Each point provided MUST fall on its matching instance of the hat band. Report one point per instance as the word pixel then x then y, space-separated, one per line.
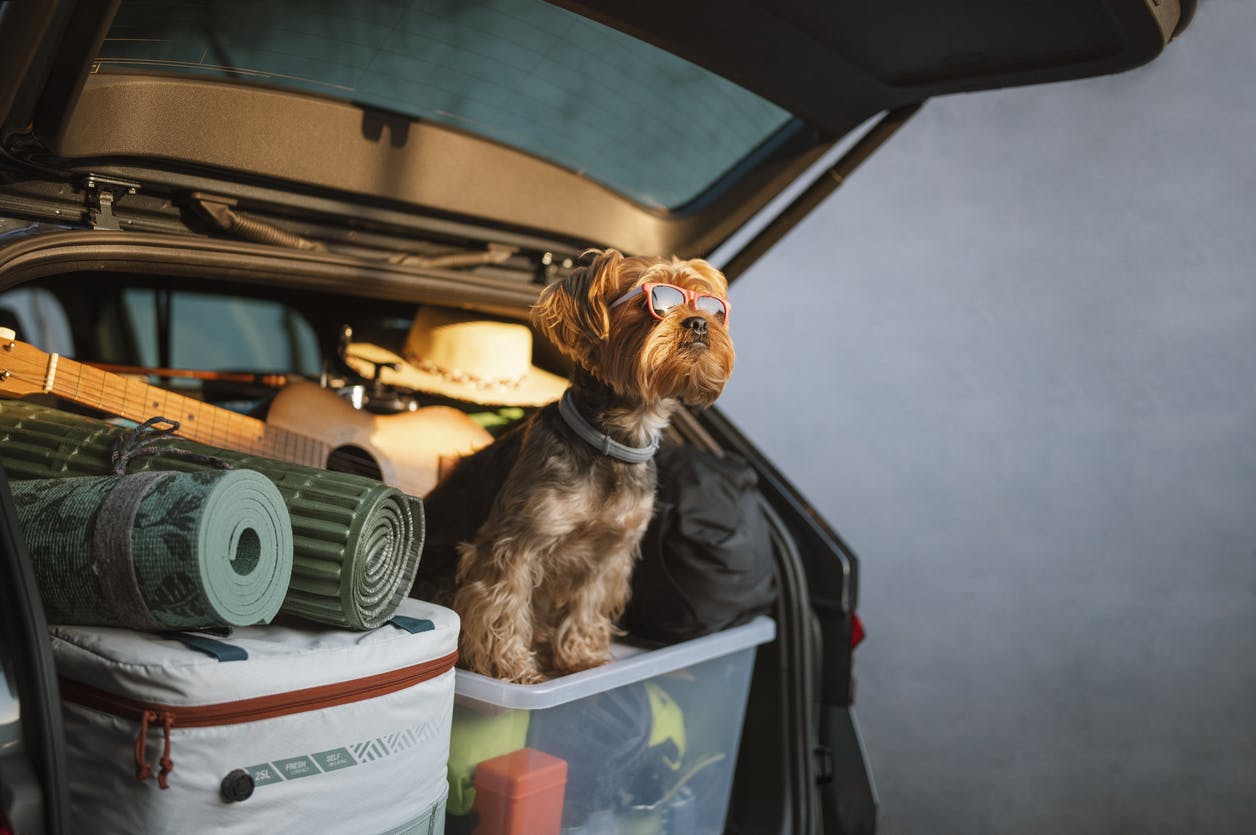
pixel 467 378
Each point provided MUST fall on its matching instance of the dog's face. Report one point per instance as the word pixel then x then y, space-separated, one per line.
pixel 642 350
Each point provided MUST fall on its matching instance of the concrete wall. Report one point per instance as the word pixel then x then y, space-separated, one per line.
pixel 1013 360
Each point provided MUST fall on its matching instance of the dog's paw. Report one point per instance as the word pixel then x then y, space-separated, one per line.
pixel 527 673
pixel 532 677
pixel 518 666
pixel 579 663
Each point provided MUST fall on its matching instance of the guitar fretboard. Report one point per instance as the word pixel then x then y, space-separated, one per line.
pixel 198 421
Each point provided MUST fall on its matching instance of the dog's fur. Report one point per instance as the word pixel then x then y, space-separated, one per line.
pixel 545 527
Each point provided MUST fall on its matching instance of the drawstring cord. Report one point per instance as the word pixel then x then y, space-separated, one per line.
pixel 140 441
pixel 142 769
pixel 167 764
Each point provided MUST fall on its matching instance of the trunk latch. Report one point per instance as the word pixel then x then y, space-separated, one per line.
pixel 100 194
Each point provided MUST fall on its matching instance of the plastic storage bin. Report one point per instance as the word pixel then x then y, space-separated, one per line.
pixel 650 740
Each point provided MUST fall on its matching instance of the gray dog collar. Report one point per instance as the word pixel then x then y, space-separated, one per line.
pixel 600 441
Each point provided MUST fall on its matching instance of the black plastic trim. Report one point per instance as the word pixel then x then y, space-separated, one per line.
pixel 78 46
pixel 25 636
pixel 848 797
pixel 53 253
pixel 29 35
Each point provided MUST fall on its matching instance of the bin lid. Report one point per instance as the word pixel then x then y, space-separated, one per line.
pixel 630 664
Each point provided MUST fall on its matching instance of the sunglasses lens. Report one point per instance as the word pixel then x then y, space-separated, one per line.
pixel 712 305
pixel 663 298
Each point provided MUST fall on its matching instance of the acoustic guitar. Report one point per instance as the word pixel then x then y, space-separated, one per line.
pixel 306 424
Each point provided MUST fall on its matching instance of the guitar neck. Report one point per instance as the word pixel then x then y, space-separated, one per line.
pixel 198 421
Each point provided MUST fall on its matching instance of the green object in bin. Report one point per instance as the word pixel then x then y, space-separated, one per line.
pixel 356 542
pixel 478 737
pixel 158 550
pixel 667 726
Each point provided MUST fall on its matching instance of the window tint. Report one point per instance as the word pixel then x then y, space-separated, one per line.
pixel 38 318
pixel 522 72
pixel 219 333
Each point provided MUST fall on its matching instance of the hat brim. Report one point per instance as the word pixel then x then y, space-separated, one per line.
pixel 537 388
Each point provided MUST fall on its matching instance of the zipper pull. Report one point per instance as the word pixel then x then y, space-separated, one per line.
pixel 167 765
pixel 142 769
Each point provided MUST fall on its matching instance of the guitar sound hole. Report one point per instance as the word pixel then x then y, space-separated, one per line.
pixel 355 460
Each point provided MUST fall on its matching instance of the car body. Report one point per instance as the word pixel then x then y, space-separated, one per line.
pixel 234 211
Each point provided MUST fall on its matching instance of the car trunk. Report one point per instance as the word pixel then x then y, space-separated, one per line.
pixel 801 689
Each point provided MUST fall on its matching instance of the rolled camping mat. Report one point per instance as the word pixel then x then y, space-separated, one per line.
pixel 356 541
pixel 158 550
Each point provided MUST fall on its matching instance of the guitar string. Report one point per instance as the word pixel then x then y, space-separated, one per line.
pixel 156 401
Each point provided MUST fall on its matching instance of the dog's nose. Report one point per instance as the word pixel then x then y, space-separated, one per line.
pixel 696 324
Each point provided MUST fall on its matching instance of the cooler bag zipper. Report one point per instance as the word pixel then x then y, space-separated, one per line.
pixel 243 710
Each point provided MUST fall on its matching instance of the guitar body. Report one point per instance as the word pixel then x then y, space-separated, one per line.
pixel 404 450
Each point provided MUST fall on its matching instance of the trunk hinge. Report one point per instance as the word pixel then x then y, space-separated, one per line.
pixel 100 194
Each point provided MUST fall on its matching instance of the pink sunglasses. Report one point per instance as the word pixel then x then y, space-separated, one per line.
pixel 662 298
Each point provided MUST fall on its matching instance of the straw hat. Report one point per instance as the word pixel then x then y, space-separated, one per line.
pixel 460 355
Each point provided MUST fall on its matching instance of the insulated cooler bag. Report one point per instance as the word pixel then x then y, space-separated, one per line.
pixel 272 729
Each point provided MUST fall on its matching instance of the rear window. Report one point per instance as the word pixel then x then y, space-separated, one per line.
pixel 640 120
pixel 221 333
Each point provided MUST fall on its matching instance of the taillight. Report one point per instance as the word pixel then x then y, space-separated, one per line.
pixel 6 826
pixel 856 631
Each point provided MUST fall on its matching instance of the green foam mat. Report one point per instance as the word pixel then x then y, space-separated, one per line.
pixel 158 550
pixel 356 542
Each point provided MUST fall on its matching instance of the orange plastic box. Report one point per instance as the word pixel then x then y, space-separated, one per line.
pixel 520 793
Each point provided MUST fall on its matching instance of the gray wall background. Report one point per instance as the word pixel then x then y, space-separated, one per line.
pixel 1013 361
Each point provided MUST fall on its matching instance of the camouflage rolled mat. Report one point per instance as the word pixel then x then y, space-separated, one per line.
pixel 356 542
pixel 158 550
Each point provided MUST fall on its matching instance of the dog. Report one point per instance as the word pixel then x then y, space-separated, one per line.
pixel 532 539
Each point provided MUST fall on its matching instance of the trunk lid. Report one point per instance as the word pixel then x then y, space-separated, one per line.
pixel 507 115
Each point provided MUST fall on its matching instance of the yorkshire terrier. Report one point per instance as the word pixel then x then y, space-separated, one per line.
pixel 533 538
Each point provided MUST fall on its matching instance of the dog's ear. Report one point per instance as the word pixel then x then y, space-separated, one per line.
pixel 573 312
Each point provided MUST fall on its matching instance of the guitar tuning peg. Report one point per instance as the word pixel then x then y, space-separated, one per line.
pixel 8 336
